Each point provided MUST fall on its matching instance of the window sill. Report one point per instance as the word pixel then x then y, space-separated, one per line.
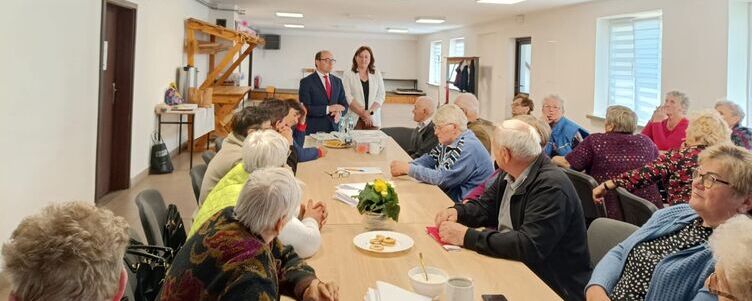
pixel 640 125
pixel 432 84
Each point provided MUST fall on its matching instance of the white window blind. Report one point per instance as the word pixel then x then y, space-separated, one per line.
pixel 434 64
pixel 457 47
pixel 634 65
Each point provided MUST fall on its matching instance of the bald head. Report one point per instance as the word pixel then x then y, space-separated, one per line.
pixel 469 104
pixel 424 108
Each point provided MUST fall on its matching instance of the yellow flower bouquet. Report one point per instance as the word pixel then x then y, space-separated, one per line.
pixel 379 197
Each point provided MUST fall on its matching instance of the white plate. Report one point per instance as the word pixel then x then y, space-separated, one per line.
pixel 403 242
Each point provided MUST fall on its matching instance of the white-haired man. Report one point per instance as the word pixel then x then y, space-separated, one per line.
pixel 423 139
pixel 481 128
pixel 457 164
pixel 531 213
pixel 565 134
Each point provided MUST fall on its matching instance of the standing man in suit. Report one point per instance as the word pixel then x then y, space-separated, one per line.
pixel 323 96
pixel 423 139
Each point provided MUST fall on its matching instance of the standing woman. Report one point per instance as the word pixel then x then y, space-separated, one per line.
pixel 668 126
pixel 364 90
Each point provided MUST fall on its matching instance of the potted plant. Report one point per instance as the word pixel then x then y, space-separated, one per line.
pixel 378 202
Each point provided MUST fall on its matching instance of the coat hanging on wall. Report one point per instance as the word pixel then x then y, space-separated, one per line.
pixel 471 78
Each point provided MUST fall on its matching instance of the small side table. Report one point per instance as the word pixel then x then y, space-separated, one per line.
pixel 189 121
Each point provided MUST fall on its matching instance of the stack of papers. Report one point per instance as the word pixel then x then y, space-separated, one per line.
pixel 389 292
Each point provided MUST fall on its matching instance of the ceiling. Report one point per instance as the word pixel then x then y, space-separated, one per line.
pixel 374 16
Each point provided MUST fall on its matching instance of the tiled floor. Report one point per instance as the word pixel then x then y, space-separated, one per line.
pixel 176 187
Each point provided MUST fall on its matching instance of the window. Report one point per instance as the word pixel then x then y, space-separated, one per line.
pixel 456 48
pixel 434 63
pixel 631 64
pixel 522 67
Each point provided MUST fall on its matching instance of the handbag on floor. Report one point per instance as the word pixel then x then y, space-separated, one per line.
pixel 160 156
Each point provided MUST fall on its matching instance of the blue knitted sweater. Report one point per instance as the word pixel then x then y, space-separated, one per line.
pixel 680 276
pixel 456 168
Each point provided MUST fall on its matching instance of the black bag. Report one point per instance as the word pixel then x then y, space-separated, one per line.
pixel 174 230
pixel 147 267
pixel 160 156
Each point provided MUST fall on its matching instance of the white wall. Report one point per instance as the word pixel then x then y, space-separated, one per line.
pixel 738 52
pixel 49 98
pixel 395 55
pixel 48 115
pixel 563 59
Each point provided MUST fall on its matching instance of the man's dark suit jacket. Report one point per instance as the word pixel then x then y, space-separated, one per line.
pixel 422 141
pixel 313 95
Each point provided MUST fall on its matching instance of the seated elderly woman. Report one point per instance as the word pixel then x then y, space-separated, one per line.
pixel 604 156
pixel 260 150
pixel 669 258
pixel 522 105
pixel 457 164
pixel 676 166
pixel 69 251
pixel 565 134
pixel 237 255
pixel 544 131
pixel 731 243
pixel 668 126
pixel 733 114
pixel 244 122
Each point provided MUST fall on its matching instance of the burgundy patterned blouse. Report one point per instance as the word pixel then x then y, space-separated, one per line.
pixel 674 167
pixel 742 136
pixel 604 156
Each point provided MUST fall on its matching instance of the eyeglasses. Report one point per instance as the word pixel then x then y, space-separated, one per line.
pixel 329 60
pixel 713 288
pixel 708 179
pixel 553 108
pixel 338 173
pixel 437 126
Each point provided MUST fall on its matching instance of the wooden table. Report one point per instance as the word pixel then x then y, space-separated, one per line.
pixel 355 270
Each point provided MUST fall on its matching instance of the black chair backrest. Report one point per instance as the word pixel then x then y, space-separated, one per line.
pixel 153 213
pixel 636 210
pixel 605 233
pixel 584 185
pixel 197 177
pixel 401 135
pixel 218 143
pixel 207 156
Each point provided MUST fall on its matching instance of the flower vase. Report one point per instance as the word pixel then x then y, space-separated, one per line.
pixel 377 221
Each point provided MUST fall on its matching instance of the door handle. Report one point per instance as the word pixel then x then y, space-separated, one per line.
pixel 114 90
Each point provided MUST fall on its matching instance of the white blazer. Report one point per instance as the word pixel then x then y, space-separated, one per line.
pixel 354 92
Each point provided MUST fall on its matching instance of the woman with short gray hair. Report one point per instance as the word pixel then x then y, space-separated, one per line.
pixel 619 149
pixel 733 114
pixel 668 126
pixel 731 243
pixel 457 164
pixel 237 254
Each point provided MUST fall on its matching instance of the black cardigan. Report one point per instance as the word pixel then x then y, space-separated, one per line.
pixel 549 233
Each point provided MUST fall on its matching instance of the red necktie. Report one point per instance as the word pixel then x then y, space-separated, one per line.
pixel 328 87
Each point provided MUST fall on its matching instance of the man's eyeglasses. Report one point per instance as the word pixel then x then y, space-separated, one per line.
pixel 708 179
pixel 338 173
pixel 713 288
pixel 328 60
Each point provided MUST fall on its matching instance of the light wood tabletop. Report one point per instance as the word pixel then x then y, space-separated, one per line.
pixel 356 270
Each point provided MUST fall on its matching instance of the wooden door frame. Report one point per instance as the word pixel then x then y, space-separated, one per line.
pixel 125 90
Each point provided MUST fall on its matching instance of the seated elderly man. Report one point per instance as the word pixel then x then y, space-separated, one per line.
pixel 481 128
pixel 457 164
pixel 531 213
pixel 69 251
pixel 565 134
pixel 243 123
pixel 423 139
pixel 236 254
pixel 264 149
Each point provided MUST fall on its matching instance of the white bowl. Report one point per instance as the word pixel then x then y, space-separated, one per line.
pixel 433 287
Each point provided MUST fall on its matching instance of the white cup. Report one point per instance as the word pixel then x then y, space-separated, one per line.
pixel 375 148
pixel 459 289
